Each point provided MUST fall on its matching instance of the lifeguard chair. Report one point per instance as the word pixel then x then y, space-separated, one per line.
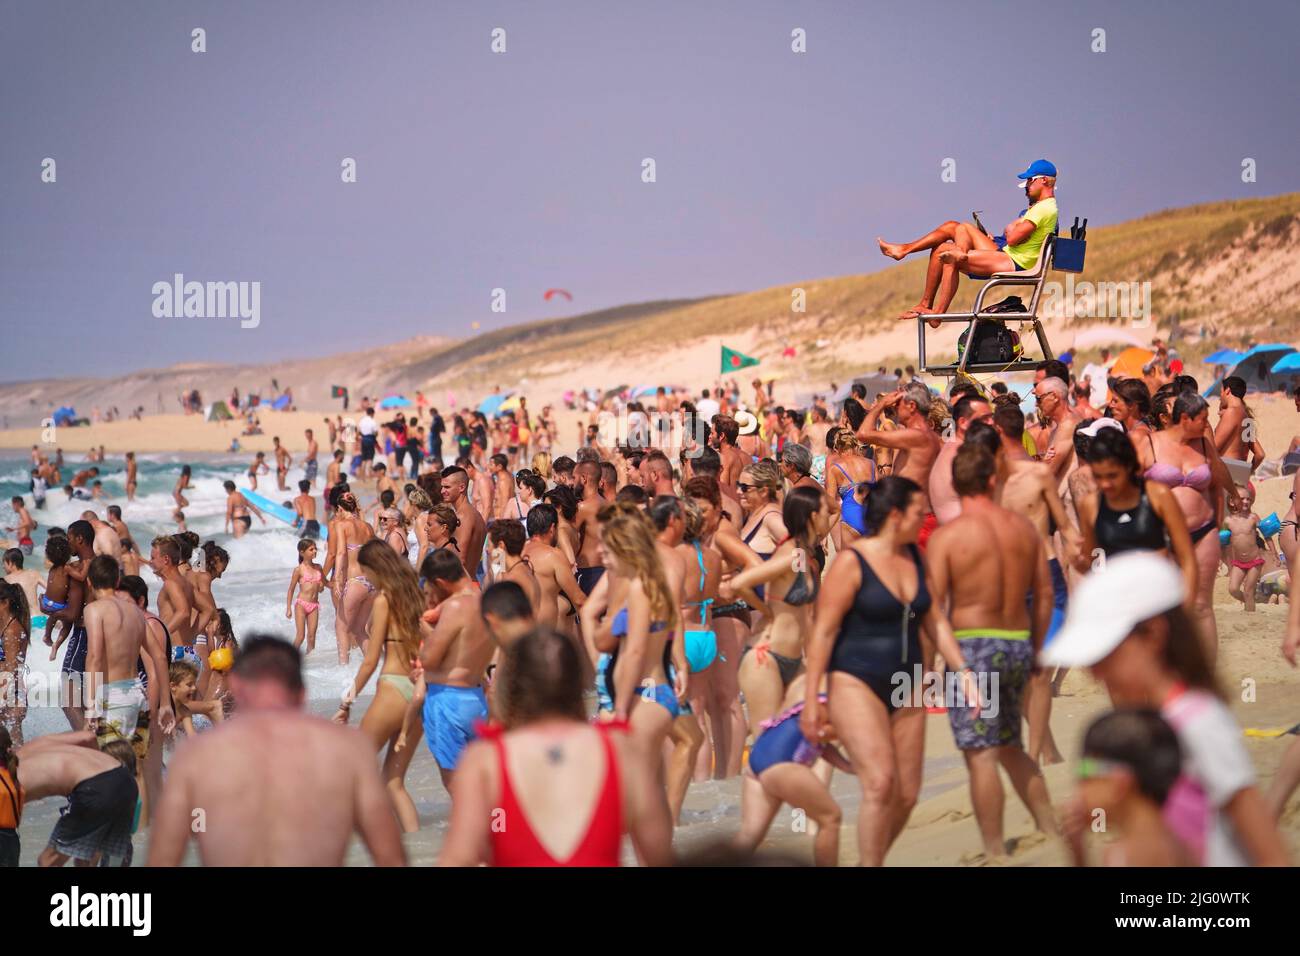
pixel 1057 254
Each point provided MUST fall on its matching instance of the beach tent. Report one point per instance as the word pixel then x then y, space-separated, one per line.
pixel 1256 367
pixel 1128 364
pixel 66 415
pixel 217 412
pixel 492 404
pixel 281 403
pixel 1224 357
pixel 395 401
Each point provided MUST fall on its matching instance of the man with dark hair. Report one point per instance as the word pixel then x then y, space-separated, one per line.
pixel 472 530
pixel 81 539
pixel 633 493
pixel 983 563
pixel 562 470
pixel 118 525
pixel 553 571
pixel 248 776
pixel 1235 436
pixel 1030 489
pixel 507 612
pixel 455 659
pixel 1053 368
pixel 967 409
pixel 26 579
pixel 733 459
pixel 116 655
pixel 160 718
pixel 503 484
pixel 590 501
pixel 304 506
pixel 507 539
pixel 658 471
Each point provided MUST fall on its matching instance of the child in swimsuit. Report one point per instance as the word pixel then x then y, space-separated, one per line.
pixel 1245 554
pixel 780 771
pixel 55 598
pixel 184 679
pixel 220 634
pixel 305 611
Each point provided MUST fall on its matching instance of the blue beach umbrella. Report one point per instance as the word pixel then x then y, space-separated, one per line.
pixel 492 404
pixel 395 401
pixel 1224 357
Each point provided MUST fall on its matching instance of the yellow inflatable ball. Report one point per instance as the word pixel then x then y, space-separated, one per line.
pixel 222 659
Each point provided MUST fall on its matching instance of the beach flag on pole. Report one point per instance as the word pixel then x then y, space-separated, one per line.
pixel 733 361
pixel 338 391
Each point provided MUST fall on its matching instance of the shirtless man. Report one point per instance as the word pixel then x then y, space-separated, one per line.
pixel 26 524
pixel 259 462
pixel 161 716
pixel 984 562
pixel 237 508
pixel 482 488
pixel 123 532
pixel 205 605
pixel 590 569
pixel 250 773
pixel 115 654
pixel 734 461
pixel 503 484
pixel 553 571
pixel 130 476
pixel 333 475
pixel 304 507
pixel 508 562
pixel 915 444
pixel 81 537
pixel 80 478
pixel 176 602
pixel 455 659
pixel 1234 435
pixel 29 580
pixel 309 463
pixel 1029 489
pixel 107 540
pixel 943 497
pixel 659 475
pixel 282 463
pixel 101 792
pixel 472 530
pixel 1058 444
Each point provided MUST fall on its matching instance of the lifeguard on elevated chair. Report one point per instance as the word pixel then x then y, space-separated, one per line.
pixel 1020 257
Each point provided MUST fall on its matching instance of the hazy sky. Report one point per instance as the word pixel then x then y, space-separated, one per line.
pixel 522 170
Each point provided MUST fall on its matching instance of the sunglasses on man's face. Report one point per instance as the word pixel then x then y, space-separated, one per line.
pixel 744 487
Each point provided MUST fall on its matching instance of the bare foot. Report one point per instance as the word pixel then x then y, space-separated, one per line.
pixel 891 249
pixel 952 257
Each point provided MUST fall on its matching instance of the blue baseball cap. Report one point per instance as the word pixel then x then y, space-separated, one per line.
pixel 1039 167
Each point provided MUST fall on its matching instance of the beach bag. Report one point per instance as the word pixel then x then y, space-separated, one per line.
pixel 992 343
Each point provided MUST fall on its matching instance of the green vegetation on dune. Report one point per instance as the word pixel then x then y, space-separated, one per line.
pixel 1171 249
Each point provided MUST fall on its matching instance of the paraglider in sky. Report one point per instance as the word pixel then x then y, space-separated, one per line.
pixel 551 293
pixel 474 326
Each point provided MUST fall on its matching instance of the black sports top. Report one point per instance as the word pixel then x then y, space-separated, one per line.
pixel 1136 529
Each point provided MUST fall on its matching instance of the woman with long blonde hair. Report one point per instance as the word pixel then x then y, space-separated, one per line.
pixel 395 632
pixel 636 637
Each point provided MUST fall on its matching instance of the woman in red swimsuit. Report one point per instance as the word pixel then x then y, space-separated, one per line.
pixel 547 788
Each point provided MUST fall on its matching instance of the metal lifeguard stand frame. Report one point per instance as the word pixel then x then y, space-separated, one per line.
pixel 1062 255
